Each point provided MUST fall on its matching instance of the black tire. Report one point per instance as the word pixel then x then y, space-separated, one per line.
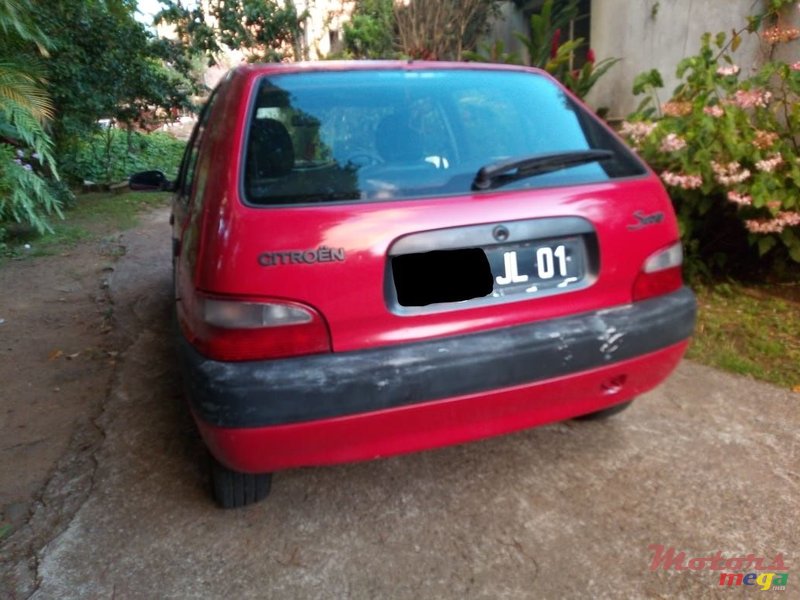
pixel 605 413
pixel 233 489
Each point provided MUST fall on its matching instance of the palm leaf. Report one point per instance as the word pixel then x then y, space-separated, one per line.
pixel 24 88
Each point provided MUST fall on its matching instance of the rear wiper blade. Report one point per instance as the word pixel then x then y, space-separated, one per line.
pixel 500 173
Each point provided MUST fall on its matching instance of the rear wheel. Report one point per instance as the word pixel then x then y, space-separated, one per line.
pixel 233 489
pixel 605 413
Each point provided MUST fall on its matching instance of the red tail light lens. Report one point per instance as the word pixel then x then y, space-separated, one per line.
pixel 238 330
pixel 660 274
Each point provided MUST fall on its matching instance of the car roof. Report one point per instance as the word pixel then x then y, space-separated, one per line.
pixel 255 70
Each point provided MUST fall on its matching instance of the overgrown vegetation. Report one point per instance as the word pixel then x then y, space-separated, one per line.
pixel 111 155
pixel 64 66
pixel 726 145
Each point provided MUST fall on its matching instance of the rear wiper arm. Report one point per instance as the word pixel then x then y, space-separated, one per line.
pixel 500 173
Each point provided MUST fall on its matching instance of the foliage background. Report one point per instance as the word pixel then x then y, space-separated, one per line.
pixel 726 145
pixel 112 155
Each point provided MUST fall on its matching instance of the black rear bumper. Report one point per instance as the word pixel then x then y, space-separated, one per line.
pixel 293 390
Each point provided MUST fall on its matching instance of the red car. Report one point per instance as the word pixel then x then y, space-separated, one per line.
pixel 374 258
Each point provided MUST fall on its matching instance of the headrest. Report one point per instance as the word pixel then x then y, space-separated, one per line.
pixel 270 152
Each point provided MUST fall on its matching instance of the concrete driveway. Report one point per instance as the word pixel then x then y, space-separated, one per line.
pixel 709 462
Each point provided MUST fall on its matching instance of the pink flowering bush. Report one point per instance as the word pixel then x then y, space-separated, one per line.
pixel 727 146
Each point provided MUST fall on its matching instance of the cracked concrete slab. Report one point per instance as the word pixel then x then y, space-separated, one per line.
pixel 708 462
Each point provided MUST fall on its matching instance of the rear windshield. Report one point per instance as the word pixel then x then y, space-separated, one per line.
pixel 383 135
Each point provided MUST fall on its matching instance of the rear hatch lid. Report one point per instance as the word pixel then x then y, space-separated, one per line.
pixel 405 202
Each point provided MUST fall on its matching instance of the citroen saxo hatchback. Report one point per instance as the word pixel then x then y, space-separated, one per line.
pixel 378 258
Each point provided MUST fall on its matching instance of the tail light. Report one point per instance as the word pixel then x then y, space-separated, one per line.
pixel 660 274
pixel 238 330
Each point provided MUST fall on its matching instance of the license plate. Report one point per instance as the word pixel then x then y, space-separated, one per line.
pixel 536 267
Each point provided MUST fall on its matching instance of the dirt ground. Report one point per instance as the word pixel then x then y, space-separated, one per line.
pixel 57 362
pixel 103 479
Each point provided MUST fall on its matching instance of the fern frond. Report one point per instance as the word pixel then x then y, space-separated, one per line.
pixel 28 131
pixel 27 198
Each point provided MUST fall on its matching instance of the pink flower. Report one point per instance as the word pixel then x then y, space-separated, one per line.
pixel 768 165
pixel 795 66
pixel 752 98
pixel 686 182
pixel 775 225
pixel 676 109
pixel 727 71
pixel 778 34
pixel 590 58
pixel 740 199
pixel 714 111
pixel 637 131
pixel 730 173
pixel 672 143
pixel 765 139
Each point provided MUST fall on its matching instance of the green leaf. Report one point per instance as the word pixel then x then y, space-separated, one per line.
pixel 736 42
pixel 765 244
pixel 646 80
pixel 794 252
pixel 754 23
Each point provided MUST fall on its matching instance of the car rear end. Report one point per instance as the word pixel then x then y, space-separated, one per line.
pixel 398 256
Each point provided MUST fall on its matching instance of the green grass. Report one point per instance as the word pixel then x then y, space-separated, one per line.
pixel 751 330
pixel 91 217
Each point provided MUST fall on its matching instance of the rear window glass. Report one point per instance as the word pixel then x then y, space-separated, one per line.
pixel 383 135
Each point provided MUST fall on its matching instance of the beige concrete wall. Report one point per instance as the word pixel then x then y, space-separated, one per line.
pixel 649 34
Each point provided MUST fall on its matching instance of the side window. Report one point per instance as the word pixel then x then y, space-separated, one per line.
pixel 189 164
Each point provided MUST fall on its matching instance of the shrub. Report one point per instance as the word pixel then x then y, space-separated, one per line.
pixel 726 145
pixel 111 155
